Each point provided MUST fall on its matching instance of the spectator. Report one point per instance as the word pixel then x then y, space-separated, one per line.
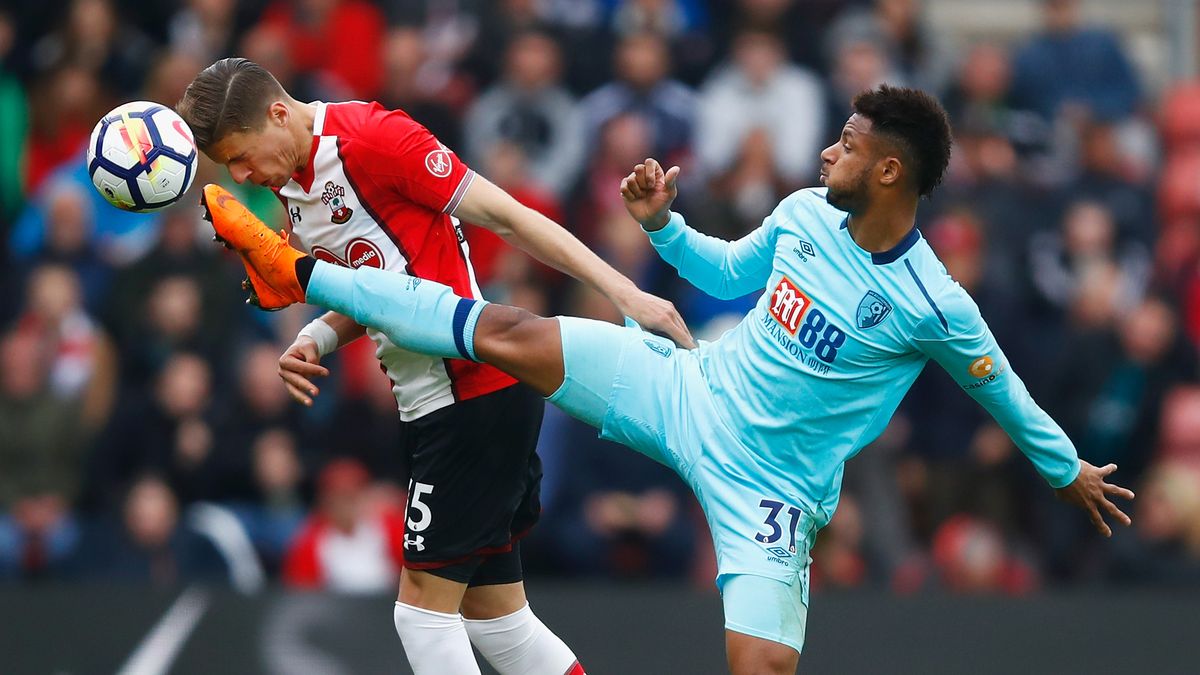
pixel 259 406
pixel 624 141
pixel 337 41
pixel 151 545
pixel 1112 384
pixel 1163 548
pixel 204 30
pixel 1070 67
pixel 39 463
pixel 69 242
pixel 352 543
pixel 922 55
pixel 180 294
pixel 617 514
pixel 273 514
pixel 1087 239
pixel 972 557
pixel 980 97
pixel 94 39
pixel 837 559
pixel 63 106
pixel 760 125
pixel 804 22
pixel 169 432
pixel 579 23
pixel 530 109
pixel 1110 175
pixel 683 23
pixel 409 85
pixel 82 365
pixel 857 65
pixel 169 77
pixel 672 19
pixel 268 46
pixel 497 264
pixel 119 237
pixel 644 87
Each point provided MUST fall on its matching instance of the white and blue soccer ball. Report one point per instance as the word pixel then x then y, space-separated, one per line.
pixel 142 156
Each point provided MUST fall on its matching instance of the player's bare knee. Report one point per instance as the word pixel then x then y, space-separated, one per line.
pixel 762 658
pixel 505 331
pixel 769 665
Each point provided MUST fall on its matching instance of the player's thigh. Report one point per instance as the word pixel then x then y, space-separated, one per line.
pixel 474 469
pixel 492 601
pixel 616 379
pixel 769 610
pixel 419 588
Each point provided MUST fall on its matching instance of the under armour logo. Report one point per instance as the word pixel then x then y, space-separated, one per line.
pixel 296 215
pixel 416 543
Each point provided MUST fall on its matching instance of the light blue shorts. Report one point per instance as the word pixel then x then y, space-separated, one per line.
pixel 644 392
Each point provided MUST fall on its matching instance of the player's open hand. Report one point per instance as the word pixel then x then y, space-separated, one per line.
pixel 648 193
pixel 298 365
pixel 1090 492
pixel 656 315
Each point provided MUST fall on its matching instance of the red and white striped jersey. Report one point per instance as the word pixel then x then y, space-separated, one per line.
pixel 378 190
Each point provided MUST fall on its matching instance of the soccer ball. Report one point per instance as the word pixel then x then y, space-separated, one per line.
pixel 142 156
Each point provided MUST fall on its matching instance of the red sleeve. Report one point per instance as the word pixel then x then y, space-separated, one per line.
pixel 301 568
pixel 398 154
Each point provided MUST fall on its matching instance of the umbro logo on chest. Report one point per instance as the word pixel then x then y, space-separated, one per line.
pixel 804 250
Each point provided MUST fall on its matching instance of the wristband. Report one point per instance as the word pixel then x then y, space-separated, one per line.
pixel 321 333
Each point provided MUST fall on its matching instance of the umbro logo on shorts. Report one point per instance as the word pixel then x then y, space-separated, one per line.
pixel 662 350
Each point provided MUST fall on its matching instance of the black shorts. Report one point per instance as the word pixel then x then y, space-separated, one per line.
pixel 474 487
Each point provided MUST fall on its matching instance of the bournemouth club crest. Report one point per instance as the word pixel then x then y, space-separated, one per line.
pixel 872 310
pixel 334 197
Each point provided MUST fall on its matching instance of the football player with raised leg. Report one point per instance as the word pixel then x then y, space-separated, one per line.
pixel 761 421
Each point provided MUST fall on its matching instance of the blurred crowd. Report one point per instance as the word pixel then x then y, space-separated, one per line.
pixel 145 436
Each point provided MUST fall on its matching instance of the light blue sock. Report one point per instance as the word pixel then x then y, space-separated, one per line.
pixel 417 314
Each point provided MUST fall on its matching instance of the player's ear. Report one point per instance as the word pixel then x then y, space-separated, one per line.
pixel 278 114
pixel 889 171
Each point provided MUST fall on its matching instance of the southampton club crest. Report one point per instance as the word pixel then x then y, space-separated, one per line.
pixel 872 310
pixel 334 197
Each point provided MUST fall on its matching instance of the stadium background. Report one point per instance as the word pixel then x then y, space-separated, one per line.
pixel 146 444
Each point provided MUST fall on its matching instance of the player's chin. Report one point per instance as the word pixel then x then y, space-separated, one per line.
pixel 835 198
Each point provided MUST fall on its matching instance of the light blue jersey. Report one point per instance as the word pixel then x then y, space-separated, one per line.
pixel 760 422
pixel 819 366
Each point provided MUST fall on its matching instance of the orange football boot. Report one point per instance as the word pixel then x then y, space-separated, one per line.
pixel 269 261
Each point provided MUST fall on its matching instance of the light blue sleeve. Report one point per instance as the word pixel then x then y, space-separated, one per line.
pixel 961 343
pixel 723 269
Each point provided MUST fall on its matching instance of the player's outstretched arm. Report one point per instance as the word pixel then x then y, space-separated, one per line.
pixel 961 342
pixel 1090 492
pixel 301 362
pixel 723 269
pixel 487 205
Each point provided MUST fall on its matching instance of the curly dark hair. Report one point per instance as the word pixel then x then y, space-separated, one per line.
pixel 917 124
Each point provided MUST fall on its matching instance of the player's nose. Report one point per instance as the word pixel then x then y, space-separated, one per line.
pixel 827 155
pixel 239 174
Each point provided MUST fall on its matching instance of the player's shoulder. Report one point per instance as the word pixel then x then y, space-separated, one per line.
pixel 947 304
pixel 366 121
pixel 807 207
